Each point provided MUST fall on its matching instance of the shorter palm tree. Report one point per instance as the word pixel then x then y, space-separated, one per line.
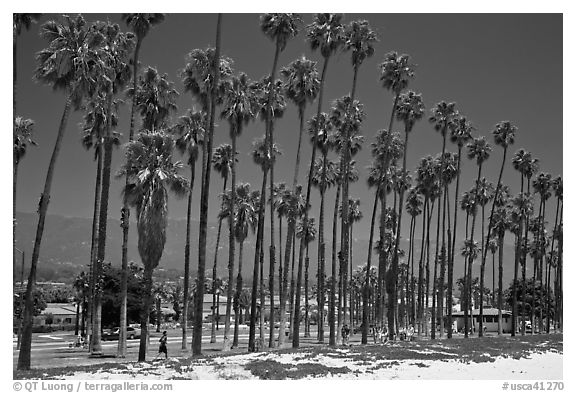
pixel 151 172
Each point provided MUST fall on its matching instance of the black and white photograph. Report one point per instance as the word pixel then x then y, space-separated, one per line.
pixel 287 196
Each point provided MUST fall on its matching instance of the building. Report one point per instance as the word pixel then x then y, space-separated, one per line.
pixel 59 316
pixel 490 320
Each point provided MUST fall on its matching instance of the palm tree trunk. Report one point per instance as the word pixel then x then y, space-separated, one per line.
pixel 306 320
pixel 272 255
pixel 549 268
pixel 214 273
pixel 321 254
pixel 427 292
pixel 350 280
pixel 435 280
pixel 258 260
pixel 482 271
pixel 204 200
pixel 451 262
pixel 26 346
pixel 524 257
pixel 500 277
pixel 96 346
pixel 187 256
pixel 125 222
pixel 145 313
pixel 292 288
pixel 516 267
pixel 94 244
pixel 420 312
pixel 411 284
pixel 237 309
pixel 366 291
pixel 231 252
pixel 332 313
pixel 470 259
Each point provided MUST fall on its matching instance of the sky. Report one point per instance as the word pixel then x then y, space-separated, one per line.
pixel 494 66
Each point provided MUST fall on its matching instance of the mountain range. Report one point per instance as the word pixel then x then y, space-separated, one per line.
pixel 65 249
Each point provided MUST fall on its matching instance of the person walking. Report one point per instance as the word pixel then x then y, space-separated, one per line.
pixel 163 349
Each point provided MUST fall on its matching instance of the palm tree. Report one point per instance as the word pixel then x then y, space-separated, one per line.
pixel 301 86
pixel 414 209
pixel 460 134
pixel 140 25
pixel 387 148
pixel 198 77
pixel 151 173
pixel 324 33
pixel 359 38
pixel 189 133
pixel 279 28
pixel 245 219
pixel 346 118
pixel 222 162
pixel 94 129
pixel 478 150
pixel 485 193
pixel 239 109
pixel 306 232
pixel 542 185
pixel 501 225
pixel 355 215
pixel 410 109
pixel 553 258
pixel 324 176
pixel 395 74
pixel 443 117
pixel 116 49
pixel 265 159
pixel 492 245
pixel 70 43
pixel 205 192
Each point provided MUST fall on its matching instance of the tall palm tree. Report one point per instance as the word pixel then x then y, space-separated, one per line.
pixel 324 33
pixel 151 174
pixel 485 193
pixel 359 38
pixel 189 132
pixel 306 232
pixel 443 116
pixel 492 245
pixel 410 108
pixel 198 77
pixel 395 74
pixel 542 186
pixel 355 215
pixel 264 159
pixel 414 209
pixel 478 150
pixel 279 28
pixel 140 24
pixel 387 148
pixel 324 176
pixel 69 43
pixel 222 162
pixel 239 109
pixel 460 134
pixel 346 118
pixel 116 50
pixel 93 131
pixel 205 192
pixel 553 257
pixel 373 181
pixel 501 225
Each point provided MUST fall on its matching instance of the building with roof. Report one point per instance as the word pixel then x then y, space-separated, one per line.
pixel 489 318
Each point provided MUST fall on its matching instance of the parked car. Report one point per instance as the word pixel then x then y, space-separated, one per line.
pixel 113 334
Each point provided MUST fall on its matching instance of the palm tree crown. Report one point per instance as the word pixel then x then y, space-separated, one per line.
pixel 410 108
pixel 189 131
pixel 504 133
pixel 444 115
pixel 479 150
pixel 142 23
pixel 280 27
pixel 360 39
pixel 222 160
pixel 325 32
pixel 396 71
pixel 23 130
pixel 301 81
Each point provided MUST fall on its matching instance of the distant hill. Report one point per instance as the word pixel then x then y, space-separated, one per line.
pixel 65 249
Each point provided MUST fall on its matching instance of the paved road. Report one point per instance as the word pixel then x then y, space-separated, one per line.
pixel 52 349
